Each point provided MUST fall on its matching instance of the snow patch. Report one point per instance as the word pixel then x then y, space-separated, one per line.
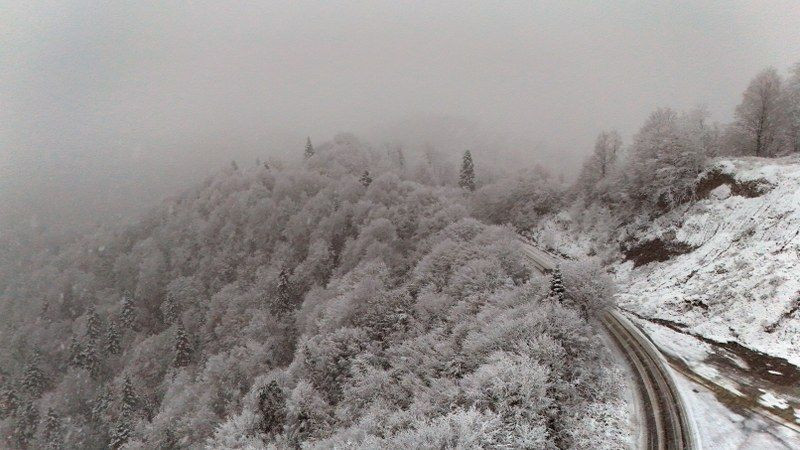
pixel 770 400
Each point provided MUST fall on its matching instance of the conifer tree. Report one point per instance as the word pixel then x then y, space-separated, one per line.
pixel 112 346
pixel 130 401
pixel 89 359
pixel 75 353
pixel 169 309
pixel 27 419
pixel 183 348
pixel 309 152
pixel 557 285
pixel 272 405
pixel 467 177
pixel 52 432
pixel 93 325
pixel 34 381
pixel 169 441
pixel 365 179
pixel 121 431
pixel 127 315
pixel 100 404
pixel 8 402
pixel 284 291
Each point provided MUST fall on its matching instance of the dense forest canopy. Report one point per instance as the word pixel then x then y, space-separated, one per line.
pixel 353 296
pixel 302 305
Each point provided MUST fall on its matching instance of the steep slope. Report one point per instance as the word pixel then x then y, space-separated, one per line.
pixel 731 259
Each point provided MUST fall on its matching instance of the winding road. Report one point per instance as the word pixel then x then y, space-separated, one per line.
pixel 666 422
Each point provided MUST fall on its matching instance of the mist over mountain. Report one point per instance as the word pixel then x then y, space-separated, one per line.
pixel 130 101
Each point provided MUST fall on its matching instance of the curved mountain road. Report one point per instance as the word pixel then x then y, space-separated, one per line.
pixel 667 424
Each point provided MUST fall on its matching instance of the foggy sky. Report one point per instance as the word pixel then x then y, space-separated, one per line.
pixel 103 105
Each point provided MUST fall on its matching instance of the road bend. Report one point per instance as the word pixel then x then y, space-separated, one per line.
pixel 666 423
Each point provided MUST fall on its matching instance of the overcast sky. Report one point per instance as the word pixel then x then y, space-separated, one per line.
pixel 93 93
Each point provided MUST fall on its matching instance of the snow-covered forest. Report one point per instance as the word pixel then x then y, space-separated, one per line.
pixel 380 288
pixel 338 302
pixel 357 297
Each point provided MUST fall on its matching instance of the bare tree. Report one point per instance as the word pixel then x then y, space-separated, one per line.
pixel 606 151
pixel 791 98
pixel 758 116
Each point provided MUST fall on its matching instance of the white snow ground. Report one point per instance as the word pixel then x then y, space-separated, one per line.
pixel 737 283
pixel 719 428
pixel 740 283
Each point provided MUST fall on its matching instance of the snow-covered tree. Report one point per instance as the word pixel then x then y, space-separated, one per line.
pixel 34 381
pixel 667 154
pixel 557 284
pixel 309 151
pixel 272 407
pixel 112 344
pixel 792 103
pixel 365 179
pixel 606 151
pixel 93 325
pixel 467 178
pixel 183 347
pixel 53 431
pixel 90 359
pixel 759 115
pixel 122 431
pixel 130 402
pixel 8 402
pixel 127 315
pixel 27 420
pixel 284 290
pixel 75 351
pixel 100 404
pixel 169 309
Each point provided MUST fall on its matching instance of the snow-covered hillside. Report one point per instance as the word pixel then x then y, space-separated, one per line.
pixel 738 280
pixel 725 266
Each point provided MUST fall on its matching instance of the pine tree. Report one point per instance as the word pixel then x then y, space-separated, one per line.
pixel 467 178
pixel 27 419
pixel 89 359
pixel 130 401
pixel 557 285
pixel 75 353
pixel 183 348
pixel 169 309
pixel 34 381
pixel 169 441
pixel 52 431
pixel 127 315
pixel 309 152
pixel 121 431
pixel 112 346
pixel 272 405
pixel 93 325
pixel 100 404
pixel 8 402
pixel 284 291
pixel 365 179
